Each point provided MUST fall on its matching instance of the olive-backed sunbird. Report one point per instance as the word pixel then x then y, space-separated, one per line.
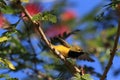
pixel 72 51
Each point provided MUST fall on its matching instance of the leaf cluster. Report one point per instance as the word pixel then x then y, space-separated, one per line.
pixel 46 16
pixel 96 37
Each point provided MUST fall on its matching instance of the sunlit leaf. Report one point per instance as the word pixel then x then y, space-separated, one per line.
pixel 86 77
pixel 45 17
pixel 37 17
pixel 26 1
pixel 3 39
pixel 8 63
pixel 52 18
pixel 81 77
pixel 1 60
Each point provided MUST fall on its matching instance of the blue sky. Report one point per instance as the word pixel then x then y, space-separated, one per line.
pixel 83 7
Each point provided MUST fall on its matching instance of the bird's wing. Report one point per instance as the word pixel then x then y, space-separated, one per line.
pixel 63 42
pixel 85 56
pixel 80 55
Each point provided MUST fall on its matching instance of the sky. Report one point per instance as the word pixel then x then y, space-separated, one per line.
pixel 83 7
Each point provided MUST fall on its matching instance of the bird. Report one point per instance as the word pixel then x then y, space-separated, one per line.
pixel 72 51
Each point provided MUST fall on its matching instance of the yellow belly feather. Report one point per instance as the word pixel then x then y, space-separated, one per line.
pixel 62 49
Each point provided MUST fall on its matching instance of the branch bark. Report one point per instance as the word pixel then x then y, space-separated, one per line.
pixel 73 68
pixel 113 51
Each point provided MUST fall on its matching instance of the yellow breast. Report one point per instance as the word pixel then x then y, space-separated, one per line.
pixel 62 49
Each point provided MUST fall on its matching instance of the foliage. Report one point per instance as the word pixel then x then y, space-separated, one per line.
pixel 47 16
pixel 83 77
pixel 21 43
pixel 7 77
pixel 3 39
pixel 8 63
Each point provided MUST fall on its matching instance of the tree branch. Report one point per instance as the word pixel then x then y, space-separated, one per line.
pixel 73 68
pixel 112 53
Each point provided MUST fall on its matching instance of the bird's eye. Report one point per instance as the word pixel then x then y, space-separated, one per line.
pixel 79 49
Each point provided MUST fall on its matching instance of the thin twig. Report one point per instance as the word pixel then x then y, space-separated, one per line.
pixel 112 53
pixel 74 69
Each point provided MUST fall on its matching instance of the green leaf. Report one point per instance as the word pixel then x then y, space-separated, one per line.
pixel 110 31
pixel 37 17
pixel 4 75
pixel 45 17
pixel 50 17
pixel 86 77
pixel 12 79
pixel 7 77
pixel 8 63
pixel 9 10
pixel 25 1
pixel 81 77
pixel 3 39
pixel 2 4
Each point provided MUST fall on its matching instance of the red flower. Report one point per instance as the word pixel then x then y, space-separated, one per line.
pixel 3 21
pixel 33 8
pixel 68 15
pixel 56 30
